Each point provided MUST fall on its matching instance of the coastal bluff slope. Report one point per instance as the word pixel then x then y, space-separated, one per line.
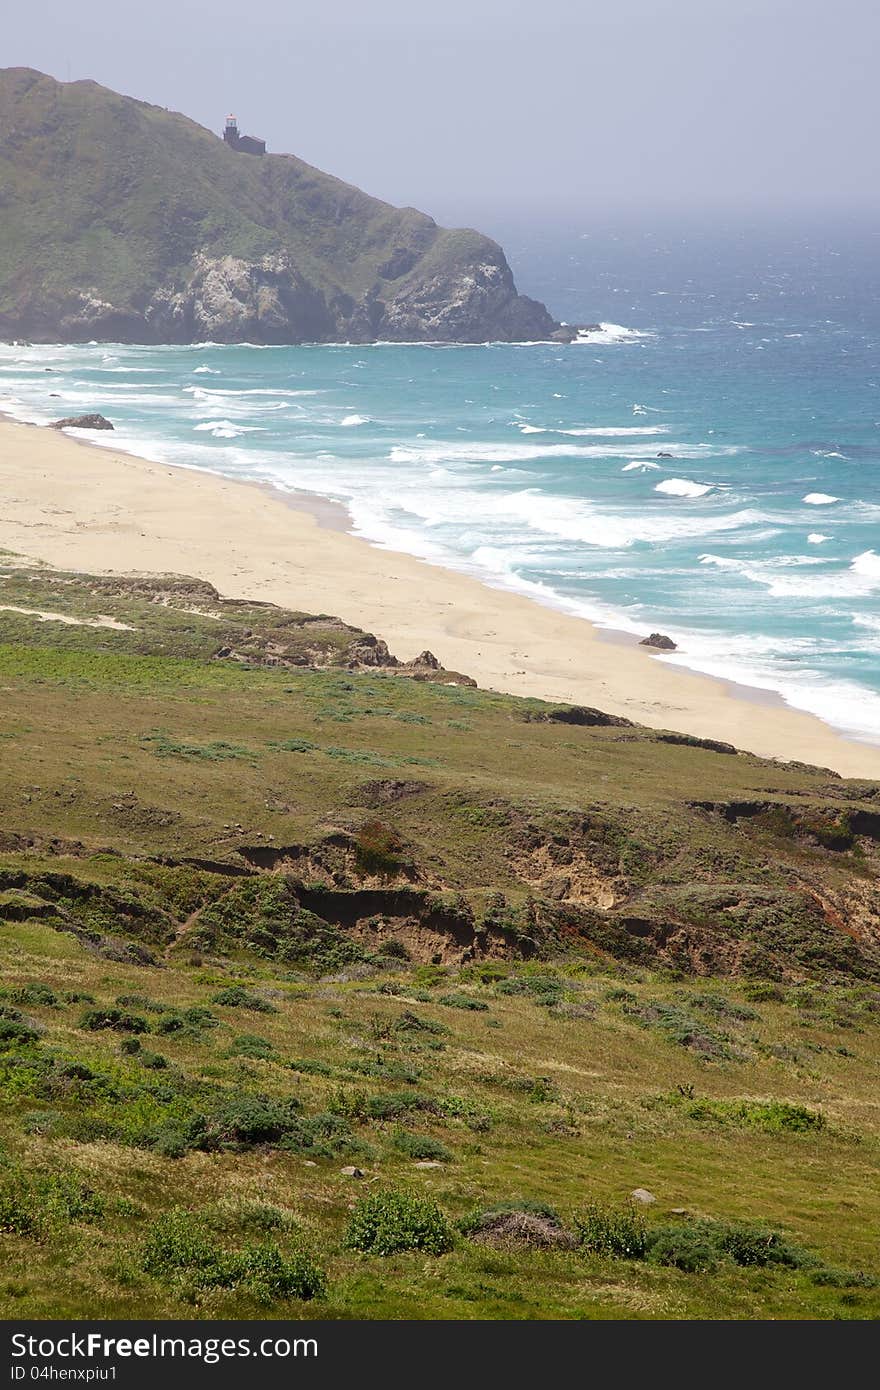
pixel 126 222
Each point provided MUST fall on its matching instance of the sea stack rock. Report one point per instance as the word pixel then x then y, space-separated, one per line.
pixel 82 422
pixel 660 641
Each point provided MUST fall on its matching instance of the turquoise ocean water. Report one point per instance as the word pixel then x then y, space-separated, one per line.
pixel 751 360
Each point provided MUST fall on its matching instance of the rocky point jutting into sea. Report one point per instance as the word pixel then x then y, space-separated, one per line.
pixel 130 223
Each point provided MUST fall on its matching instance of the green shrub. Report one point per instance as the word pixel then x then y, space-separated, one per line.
pixel 139 1001
pixel 771 1116
pixel 378 849
pixel 831 1278
pixel 15 1034
pixel 322 1136
pixel 545 989
pixel 679 1027
pixel 251 1045
pixel 237 997
pixel 394 949
pixel 178 1244
pixel 34 1204
pixel 697 1246
pixel 34 993
pixel 312 1066
pixel 684 1247
pixel 268 1275
pixel 188 1023
pixel 748 1244
pixel 390 1104
pixel 263 914
pixel 420 1146
pixel 463 1001
pixel 247 1120
pixel 395 1220
pixel 409 1022
pixel 763 991
pixel 119 1020
pixel 153 1060
pixel 722 1008
pixel 19 1214
pixel 616 1231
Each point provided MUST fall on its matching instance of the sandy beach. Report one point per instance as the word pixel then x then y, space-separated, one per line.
pixel 83 507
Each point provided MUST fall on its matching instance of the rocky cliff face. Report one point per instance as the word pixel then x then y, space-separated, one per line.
pixel 127 222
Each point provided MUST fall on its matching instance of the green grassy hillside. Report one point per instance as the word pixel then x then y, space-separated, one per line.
pixel 264 921
pixel 118 218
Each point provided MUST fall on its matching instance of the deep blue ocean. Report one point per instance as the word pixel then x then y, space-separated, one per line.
pixel 708 464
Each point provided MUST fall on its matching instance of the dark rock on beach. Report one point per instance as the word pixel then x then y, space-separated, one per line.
pixel 82 422
pixel 660 641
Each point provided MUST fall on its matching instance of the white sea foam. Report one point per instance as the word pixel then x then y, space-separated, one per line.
pixel 642 467
pixel 820 499
pixel 206 371
pixel 609 334
pixel 842 703
pixel 596 431
pixel 247 391
pixel 682 487
pixel 227 429
pixel 780 576
pixel 447 451
pixel 350 420
pixel 816 538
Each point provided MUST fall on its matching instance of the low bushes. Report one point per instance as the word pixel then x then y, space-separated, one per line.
pixel 771 1116
pixel 420 1146
pixel 251 1045
pixel 701 1246
pixel 237 997
pixel 118 1020
pixel 16 1033
pixel 617 1231
pixel 186 1023
pixel 33 1205
pixel 378 849
pixel 463 1001
pixel 695 1247
pixel 34 993
pixel 179 1249
pixel 390 1104
pixel 395 1220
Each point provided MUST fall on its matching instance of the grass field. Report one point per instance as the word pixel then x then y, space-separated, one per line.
pixel 261 923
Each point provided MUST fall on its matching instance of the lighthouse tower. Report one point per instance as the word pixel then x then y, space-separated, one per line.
pixel 245 144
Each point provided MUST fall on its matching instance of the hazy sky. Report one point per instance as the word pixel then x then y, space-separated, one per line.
pixel 540 107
